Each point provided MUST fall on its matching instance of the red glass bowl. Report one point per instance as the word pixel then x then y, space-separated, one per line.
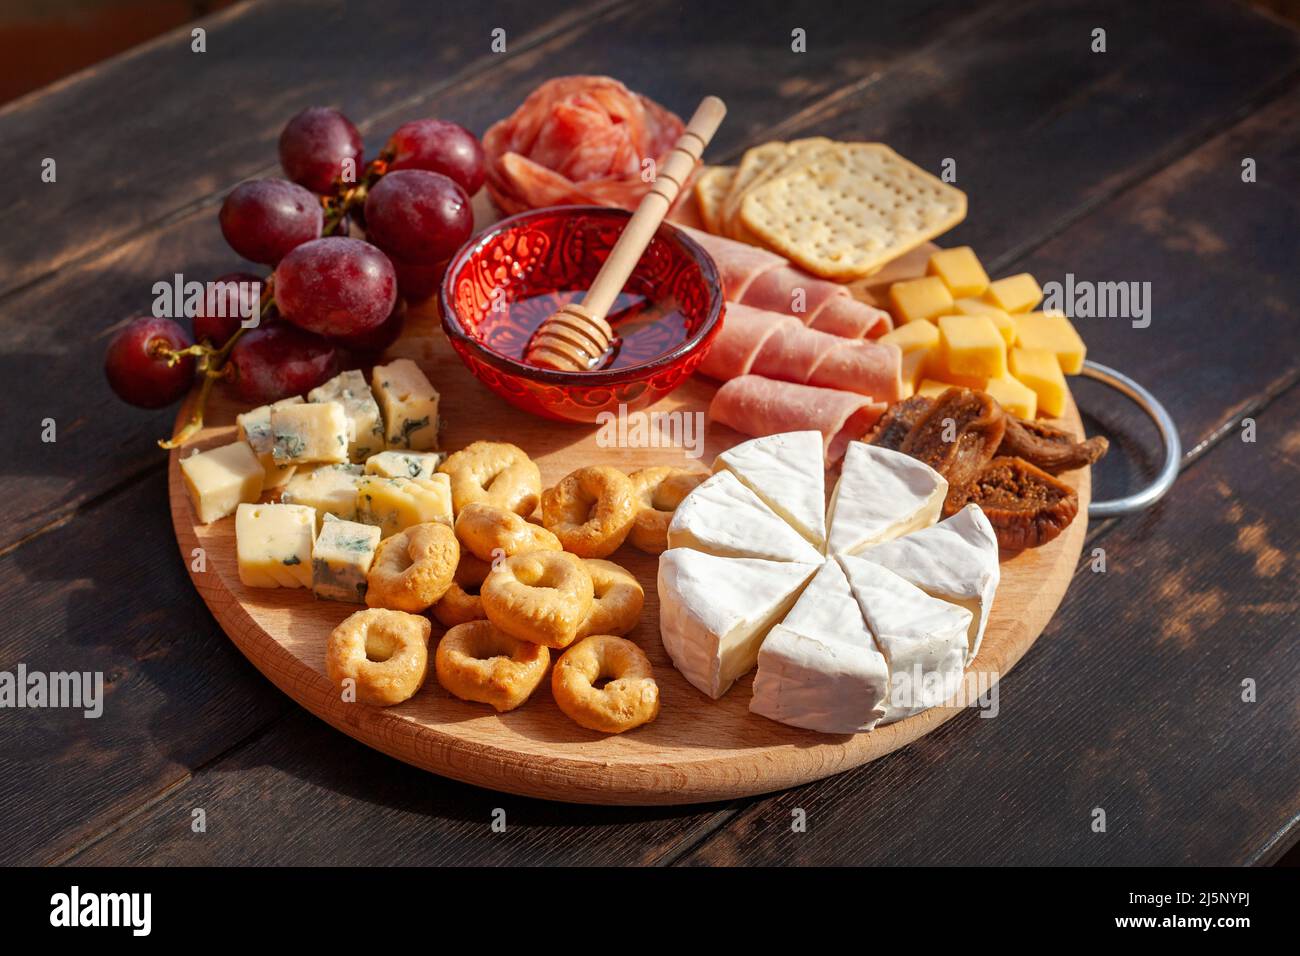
pixel 563 247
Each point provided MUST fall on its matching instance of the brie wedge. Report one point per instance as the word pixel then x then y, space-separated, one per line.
pixel 881 495
pixel 715 611
pixel 724 518
pixel 956 559
pixel 787 472
pixel 820 668
pixel 923 638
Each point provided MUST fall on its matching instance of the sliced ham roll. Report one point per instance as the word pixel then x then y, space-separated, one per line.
pixel 764 280
pixel 781 347
pixel 755 405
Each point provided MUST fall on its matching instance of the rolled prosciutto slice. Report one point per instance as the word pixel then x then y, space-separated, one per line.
pixel 755 405
pixel 764 280
pixel 782 347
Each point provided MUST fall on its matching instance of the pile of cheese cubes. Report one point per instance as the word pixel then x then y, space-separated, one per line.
pixel 351 467
pixel 955 327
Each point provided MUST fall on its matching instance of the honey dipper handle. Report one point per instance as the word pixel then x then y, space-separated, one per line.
pixel 668 181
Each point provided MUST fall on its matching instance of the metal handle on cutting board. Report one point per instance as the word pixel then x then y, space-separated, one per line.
pixel 1145 497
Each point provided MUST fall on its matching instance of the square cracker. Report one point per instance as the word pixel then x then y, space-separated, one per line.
pixel 849 209
pixel 755 160
pixel 710 190
pixel 766 165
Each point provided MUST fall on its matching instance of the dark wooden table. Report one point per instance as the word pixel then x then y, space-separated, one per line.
pixel 1117 166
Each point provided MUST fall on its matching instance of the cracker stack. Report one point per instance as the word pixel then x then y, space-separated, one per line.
pixel 838 210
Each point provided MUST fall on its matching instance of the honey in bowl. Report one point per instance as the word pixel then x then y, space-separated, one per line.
pixel 508 280
pixel 643 328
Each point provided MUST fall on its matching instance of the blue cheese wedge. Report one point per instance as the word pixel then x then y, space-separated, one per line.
pixel 395 504
pixel 404 464
pixel 923 638
pixel 273 544
pixel 820 668
pixel 341 560
pixel 255 428
pixel 315 432
pixel 409 404
pixel 219 479
pixel 330 489
pixel 350 390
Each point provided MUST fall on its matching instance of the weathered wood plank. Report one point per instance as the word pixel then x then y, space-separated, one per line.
pixel 304 794
pixel 107 592
pixel 73 314
pixel 163 128
pixel 1130 702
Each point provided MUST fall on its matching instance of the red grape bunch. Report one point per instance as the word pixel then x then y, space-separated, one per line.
pixel 330 294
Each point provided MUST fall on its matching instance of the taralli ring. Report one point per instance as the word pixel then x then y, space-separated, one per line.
pixel 385 654
pixel 414 568
pixel 541 597
pixel 477 661
pixel 493 473
pixel 591 510
pixel 616 602
pixel 490 532
pixel 629 699
pixel 658 492
pixel 462 603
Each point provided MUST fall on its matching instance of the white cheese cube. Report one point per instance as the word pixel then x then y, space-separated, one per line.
pixel 329 489
pixel 404 464
pixel 341 560
pixel 315 432
pixel 219 479
pixel 255 428
pixel 395 504
pixel 409 404
pixel 273 545
pixel 350 390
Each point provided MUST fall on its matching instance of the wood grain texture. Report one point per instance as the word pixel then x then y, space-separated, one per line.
pixel 697 750
pixel 1130 702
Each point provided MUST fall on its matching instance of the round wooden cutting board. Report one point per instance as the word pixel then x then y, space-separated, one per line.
pixel 697 750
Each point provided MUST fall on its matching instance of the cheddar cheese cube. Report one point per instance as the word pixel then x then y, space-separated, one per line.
pixel 1052 331
pixel 273 545
pixel 312 432
pixel 925 298
pixel 220 479
pixel 404 464
pixel 914 337
pixel 328 489
pixel 409 404
pixel 254 427
pixel 1014 396
pixel 365 426
pixel 1039 369
pixel 1018 293
pixel 972 346
pixel 968 306
pixel 932 388
pixel 395 504
pixel 341 559
pixel 914 366
pixel 960 271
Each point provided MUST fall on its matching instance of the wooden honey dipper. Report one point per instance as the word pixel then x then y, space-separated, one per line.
pixel 577 335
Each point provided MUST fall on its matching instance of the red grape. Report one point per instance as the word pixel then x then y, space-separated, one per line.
pixel 418 216
pixel 439 147
pixel 374 341
pixel 416 281
pixel 335 286
pixel 137 373
pixel 314 146
pixel 275 361
pixel 263 219
pixel 225 306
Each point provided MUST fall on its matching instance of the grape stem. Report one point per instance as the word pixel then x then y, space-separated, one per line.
pixel 212 367
pixel 347 197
